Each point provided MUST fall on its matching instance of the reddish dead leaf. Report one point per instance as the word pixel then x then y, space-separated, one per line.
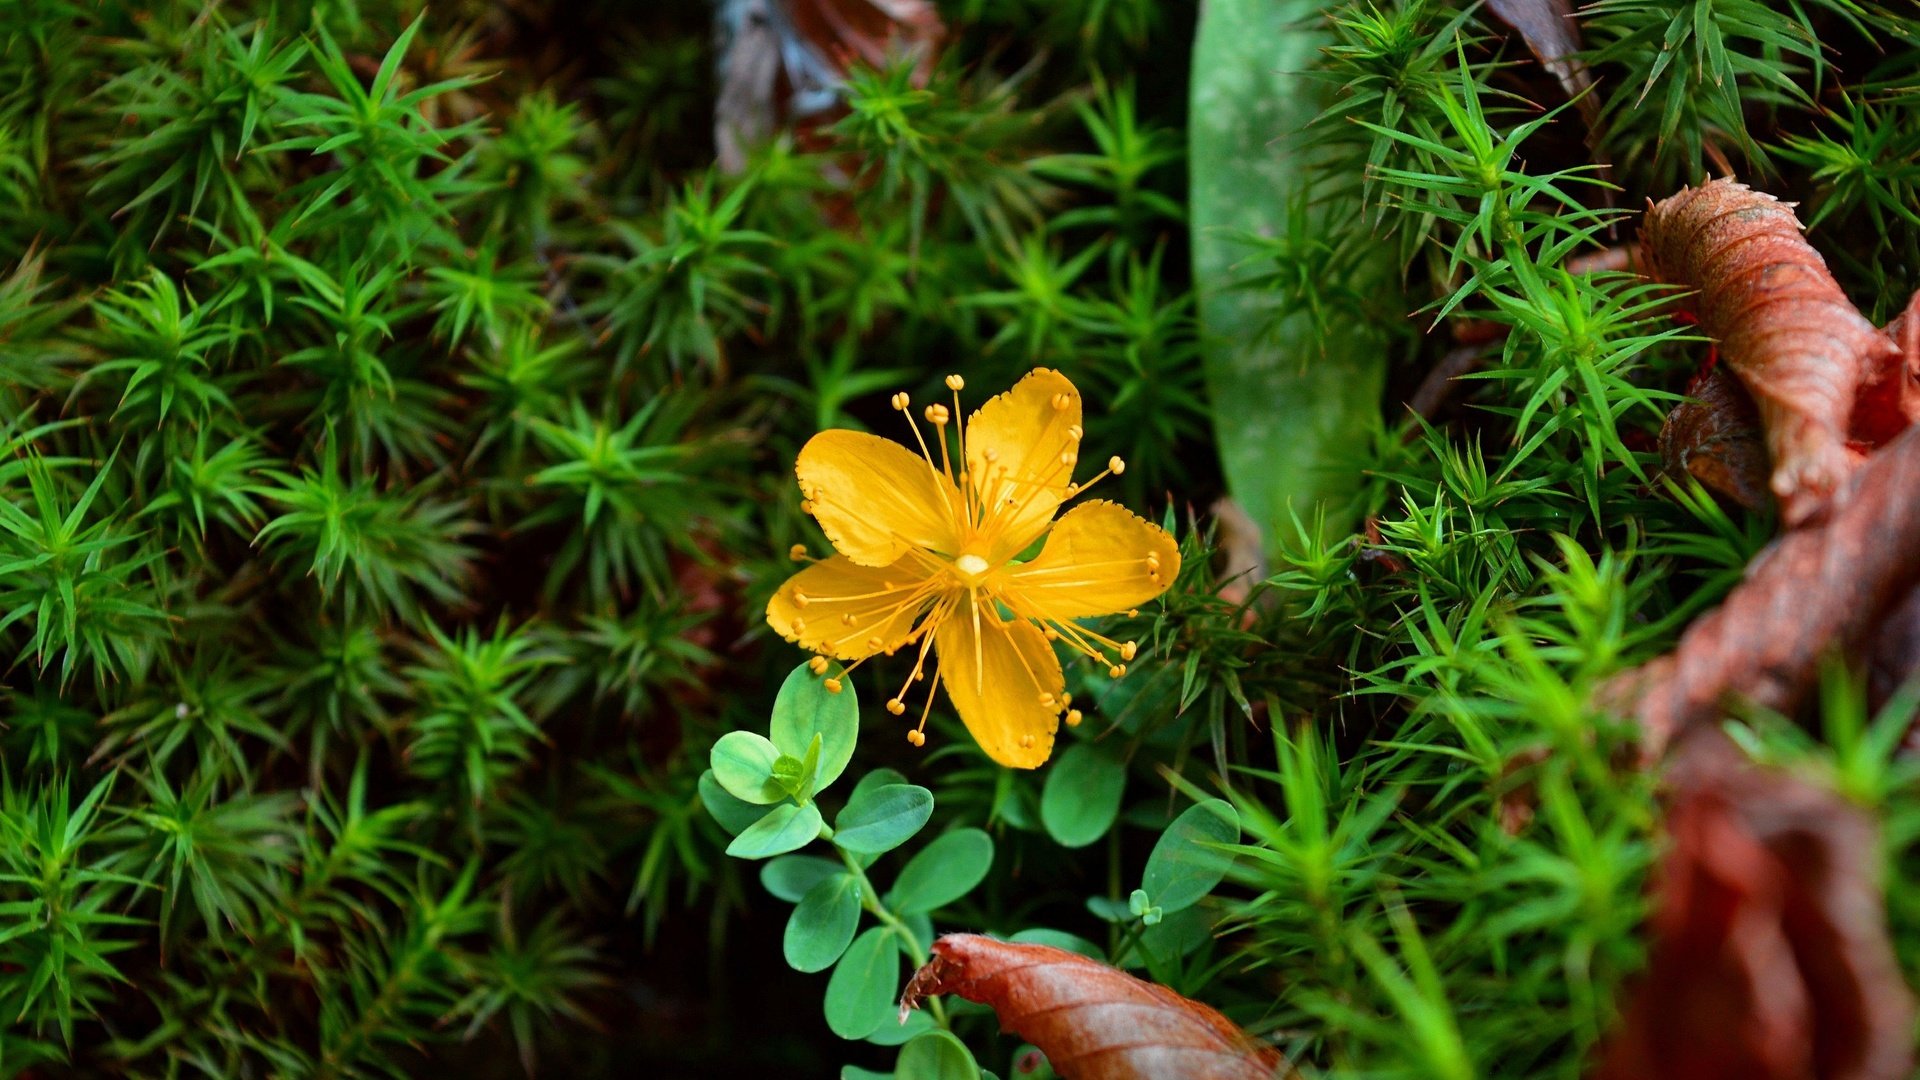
pixel 1896 650
pixel 783 61
pixel 1824 586
pixel 1770 957
pixel 1714 436
pixel 1242 551
pixel 1784 327
pixel 1548 28
pixel 1092 1021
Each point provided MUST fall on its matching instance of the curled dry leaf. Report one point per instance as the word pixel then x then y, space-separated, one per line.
pixel 784 60
pixel 1092 1021
pixel 1243 558
pixel 1895 658
pixel 1785 329
pixel 1826 585
pixel 1714 436
pixel 1770 957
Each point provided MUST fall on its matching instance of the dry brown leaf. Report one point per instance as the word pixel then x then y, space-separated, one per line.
pixel 1814 589
pixel 1548 28
pixel 1784 328
pixel 1895 658
pixel 783 60
pixel 1770 958
pixel 1242 550
pixel 1714 436
pixel 1091 1020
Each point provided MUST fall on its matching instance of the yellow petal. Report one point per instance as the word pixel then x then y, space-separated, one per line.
pixel 874 498
pixel 1021 449
pixel 813 608
pixel 995 673
pixel 1100 558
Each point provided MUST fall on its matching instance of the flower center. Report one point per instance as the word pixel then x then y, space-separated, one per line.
pixel 971 568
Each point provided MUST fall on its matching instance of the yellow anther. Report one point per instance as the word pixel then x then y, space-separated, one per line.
pixel 801 599
pixel 1068 457
pixel 1116 671
pixel 847 619
pixel 833 686
pixel 991 455
pixel 806 506
pixel 917 737
pixel 901 401
pixel 1153 563
pixel 956 383
pixel 1046 699
pixel 1073 718
pixel 937 415
pixel 1026 741
pixel 817 665
pixel 1066 699
pixel 1075 432
pixel 875 644
pixel 1133 613
pixel 1052 634
pixel 1116 466
pixel 799 626
pixel 896 706
pixel 1128 650
pixel 1061 400
pixel 798 553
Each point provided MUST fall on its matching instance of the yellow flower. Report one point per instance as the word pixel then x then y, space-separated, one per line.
pixel 930 559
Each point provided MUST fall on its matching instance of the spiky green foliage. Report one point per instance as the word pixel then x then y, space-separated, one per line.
pixel 397 423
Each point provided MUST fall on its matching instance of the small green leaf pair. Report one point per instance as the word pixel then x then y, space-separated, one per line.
pixel 806 748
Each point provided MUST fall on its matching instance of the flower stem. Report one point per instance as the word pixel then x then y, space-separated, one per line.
pixel 870 899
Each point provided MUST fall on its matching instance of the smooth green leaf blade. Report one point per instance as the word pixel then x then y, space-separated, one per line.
pixel 942 872
pixel 861 993
pixel 882 818
pixel 1184 867
pixel 918 1023
pixel 790 876
pixel 785 829
pixel 821 927
pixel 1059 939
pixel 734 815
pixel 743 763
pixel 1082 795
pixel 805 708
pixel 937 1055
pixel 1293 407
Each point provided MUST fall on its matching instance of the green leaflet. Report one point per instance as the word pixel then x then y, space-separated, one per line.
pixel 1292 412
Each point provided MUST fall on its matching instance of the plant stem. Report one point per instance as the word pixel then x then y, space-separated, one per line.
pixel 870 899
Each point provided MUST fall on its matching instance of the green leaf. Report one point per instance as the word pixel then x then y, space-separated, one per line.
pixel 1082 795
pixel 1293 405
pixel 1059 939
pixel 880 819
pixel 860 996
pixel 790 876
pixel 786 828
pixel 744 764
pixel 1183 867
pixel 823 924
pixel 918 1023
pixel 937 1055
pixel 942 872
pixel 732 814
pixel 877 778
pixel 804 709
